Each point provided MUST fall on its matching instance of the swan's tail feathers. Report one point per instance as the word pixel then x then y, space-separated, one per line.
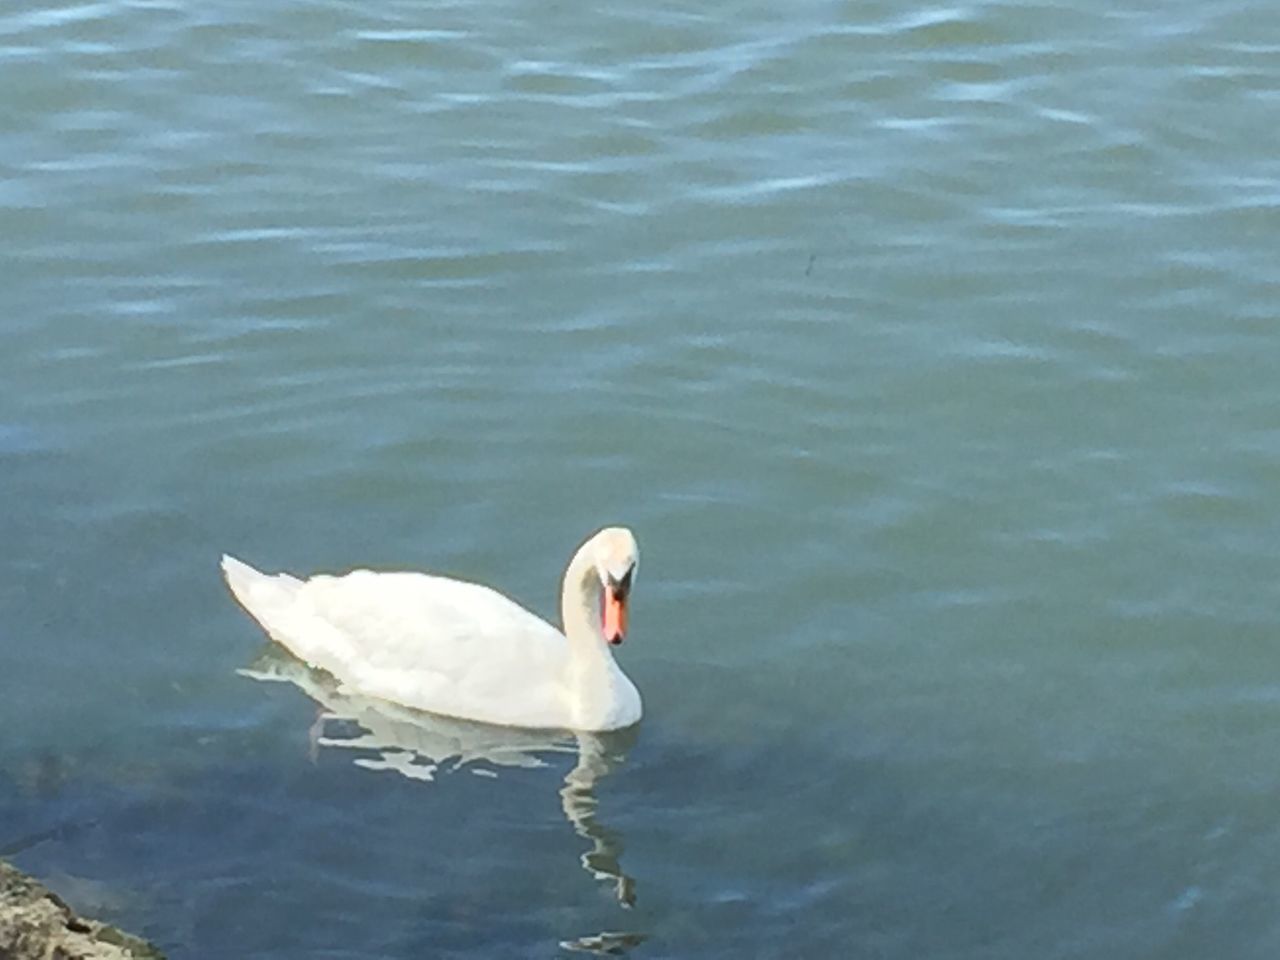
pixel 268 599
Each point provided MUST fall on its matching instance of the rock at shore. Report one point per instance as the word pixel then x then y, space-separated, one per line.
pixel 36 925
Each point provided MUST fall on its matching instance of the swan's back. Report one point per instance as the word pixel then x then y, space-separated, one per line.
pixel 443 645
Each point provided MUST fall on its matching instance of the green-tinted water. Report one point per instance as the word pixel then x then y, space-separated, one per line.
pixel 930 351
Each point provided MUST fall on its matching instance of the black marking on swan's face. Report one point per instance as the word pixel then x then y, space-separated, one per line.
pixel 621 586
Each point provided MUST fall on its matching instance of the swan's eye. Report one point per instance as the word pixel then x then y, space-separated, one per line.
pixel 621 587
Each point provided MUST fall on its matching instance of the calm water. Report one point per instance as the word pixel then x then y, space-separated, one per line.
pixel 930 350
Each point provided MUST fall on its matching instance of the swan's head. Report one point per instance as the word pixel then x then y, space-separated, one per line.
pixel 616 557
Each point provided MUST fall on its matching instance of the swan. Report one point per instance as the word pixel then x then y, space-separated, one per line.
pixel 462 649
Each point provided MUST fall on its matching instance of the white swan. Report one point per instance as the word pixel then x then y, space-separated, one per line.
pixel 461 649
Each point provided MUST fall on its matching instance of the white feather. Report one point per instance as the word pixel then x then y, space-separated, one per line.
pixel 448 646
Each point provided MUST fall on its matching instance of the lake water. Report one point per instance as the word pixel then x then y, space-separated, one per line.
pixel 930 351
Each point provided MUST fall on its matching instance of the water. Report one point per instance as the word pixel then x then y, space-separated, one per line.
pixel 929 350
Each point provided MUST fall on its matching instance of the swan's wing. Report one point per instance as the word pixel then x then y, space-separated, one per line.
pixel 445 645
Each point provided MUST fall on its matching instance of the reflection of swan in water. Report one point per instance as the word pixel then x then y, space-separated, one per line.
pixel 598 755
pixel 417 745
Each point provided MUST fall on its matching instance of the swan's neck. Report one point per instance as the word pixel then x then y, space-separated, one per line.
pixel 580 608
pixel 602 698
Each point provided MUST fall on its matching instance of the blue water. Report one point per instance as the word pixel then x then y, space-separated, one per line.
pixel 929 351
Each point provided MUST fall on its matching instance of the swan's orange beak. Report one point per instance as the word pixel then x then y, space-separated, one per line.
pixel 615 615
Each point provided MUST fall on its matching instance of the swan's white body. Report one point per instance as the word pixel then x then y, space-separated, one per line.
pixel 457 648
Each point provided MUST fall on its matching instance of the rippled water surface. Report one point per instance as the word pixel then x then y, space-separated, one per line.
pixel 931 352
